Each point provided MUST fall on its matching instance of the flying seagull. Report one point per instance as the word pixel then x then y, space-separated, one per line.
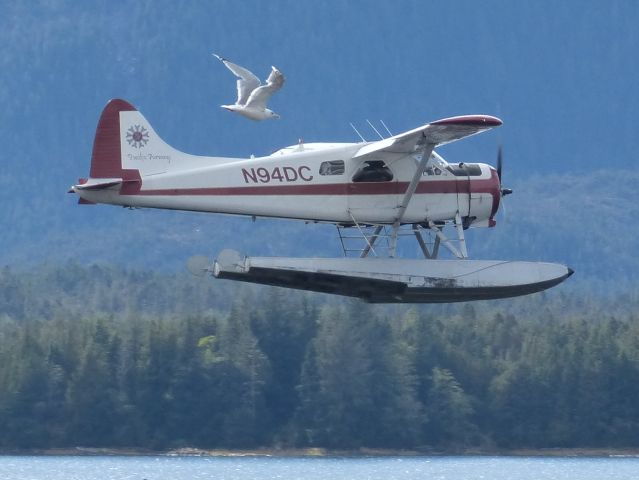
pixel 251 96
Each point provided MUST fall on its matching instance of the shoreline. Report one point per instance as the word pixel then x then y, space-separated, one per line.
pixel 327 453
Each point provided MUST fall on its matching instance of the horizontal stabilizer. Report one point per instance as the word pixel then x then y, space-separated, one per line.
pixel 385 280
pixel 435 133
pixel 98 184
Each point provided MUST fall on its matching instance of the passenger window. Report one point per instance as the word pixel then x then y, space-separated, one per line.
pixel 333 167
pixel 373 171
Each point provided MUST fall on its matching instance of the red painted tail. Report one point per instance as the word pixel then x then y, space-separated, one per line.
pixel 106 161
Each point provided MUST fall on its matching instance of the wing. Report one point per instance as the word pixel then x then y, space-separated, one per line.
pixel 260 96
pixel 435 133
pixel 247 82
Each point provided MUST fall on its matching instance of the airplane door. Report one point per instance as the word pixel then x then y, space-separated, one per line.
pixel 373 192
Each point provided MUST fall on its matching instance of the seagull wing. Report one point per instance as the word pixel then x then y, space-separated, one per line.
pixel 260 95
pixel 247 81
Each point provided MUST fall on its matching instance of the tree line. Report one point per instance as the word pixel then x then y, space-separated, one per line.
pixel 277 368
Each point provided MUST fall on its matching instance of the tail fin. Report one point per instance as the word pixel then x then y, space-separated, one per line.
pixel 126 147
pixel 106 161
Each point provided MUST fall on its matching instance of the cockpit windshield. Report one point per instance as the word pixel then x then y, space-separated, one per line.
pixel 437 165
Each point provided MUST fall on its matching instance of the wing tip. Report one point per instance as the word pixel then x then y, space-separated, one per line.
pixel 470 121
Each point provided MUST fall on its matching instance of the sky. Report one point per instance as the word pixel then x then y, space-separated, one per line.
pixel 563 77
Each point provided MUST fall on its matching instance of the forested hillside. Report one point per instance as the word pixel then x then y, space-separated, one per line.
pixel 97 356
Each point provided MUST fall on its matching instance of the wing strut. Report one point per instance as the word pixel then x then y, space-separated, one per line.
pixel 372 241
pixel 427 150
pixel 443 239
pixel 422 244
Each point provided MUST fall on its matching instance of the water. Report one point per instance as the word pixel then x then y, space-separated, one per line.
pixel 287 468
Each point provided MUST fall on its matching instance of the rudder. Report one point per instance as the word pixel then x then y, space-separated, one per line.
pixel 106 160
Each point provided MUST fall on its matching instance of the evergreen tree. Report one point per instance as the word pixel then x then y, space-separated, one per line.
pixel 247 370
pixel 283 329
pixel 92 391
pixel 449 411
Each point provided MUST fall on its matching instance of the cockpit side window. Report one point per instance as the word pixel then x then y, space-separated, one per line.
pixel 332 167
pixel 373 171
pixel 464 169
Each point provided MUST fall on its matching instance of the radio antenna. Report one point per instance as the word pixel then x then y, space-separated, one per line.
pixel 389 132
pixel 357 132
pixel 373 127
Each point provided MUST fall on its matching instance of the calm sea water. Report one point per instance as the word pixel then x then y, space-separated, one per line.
pixel 251 468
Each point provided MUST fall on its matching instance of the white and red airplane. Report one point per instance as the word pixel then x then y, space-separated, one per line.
pixel 375 189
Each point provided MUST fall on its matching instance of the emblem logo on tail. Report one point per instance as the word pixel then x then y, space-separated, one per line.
pixel 137 136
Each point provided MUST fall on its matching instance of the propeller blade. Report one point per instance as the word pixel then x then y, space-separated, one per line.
pixel 500 163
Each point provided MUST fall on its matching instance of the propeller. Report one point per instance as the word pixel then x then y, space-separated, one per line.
pixel 500 155
pixel 199 265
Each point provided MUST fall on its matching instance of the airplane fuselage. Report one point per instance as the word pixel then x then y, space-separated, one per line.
pixel 314 182
pixel 298 184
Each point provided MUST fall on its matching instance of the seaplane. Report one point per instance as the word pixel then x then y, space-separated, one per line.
pixel 376 193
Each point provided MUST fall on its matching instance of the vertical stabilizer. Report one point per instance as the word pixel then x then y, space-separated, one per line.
pixel 126 146
pixel 127 150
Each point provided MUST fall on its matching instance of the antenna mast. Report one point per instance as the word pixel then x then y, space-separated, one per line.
pixel 373 127
pixel 389 132
pixel 357 132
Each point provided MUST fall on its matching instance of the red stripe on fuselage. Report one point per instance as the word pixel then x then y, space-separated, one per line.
pixel 364 188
